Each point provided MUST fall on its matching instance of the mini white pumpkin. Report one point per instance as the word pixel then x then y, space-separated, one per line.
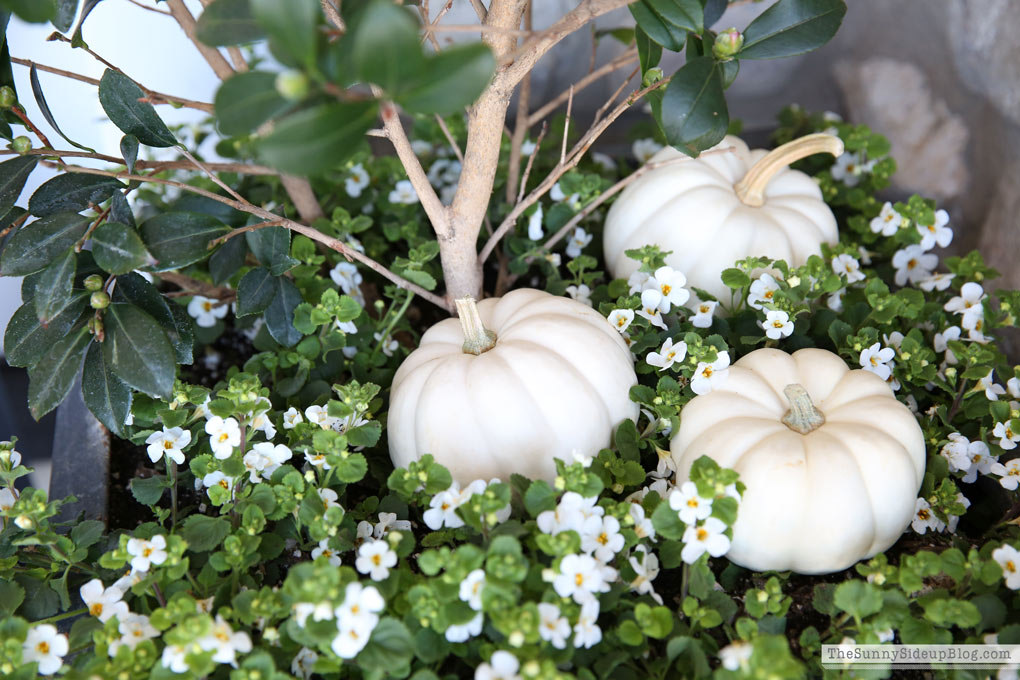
pixel 722 207
pixel 832 461
pixel 550 378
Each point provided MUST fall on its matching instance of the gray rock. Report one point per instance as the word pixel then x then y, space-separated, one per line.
pixel 986 52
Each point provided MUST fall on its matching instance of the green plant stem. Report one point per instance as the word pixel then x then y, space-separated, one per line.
pixel 171 471
pixel 957 401
pixel 65 615
pixel 684 578
pixel 393 322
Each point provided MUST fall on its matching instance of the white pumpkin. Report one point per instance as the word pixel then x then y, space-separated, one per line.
pixel 832 473
pixel 555 381
pixel 722 207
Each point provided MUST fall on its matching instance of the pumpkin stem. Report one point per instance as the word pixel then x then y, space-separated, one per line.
pixel 751 189
pixel 803 416
pixel 477 338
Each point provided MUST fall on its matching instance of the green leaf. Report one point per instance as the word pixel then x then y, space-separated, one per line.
pixel 53 289
pixel 26 340
pixel 255 292
pixel 119 249
pixel 271 247
pixel 735 278
pixel 71 192
pixel 32 11
pixel 64 17
pixel 44 108
pixel 291 28
pixel 35 245
pixel 120 211
pixel 106 396
pixel 120 97
pixel 129 151
pixel 858 598
pixel 204 533
pixel 87 532
pixel 51 379
pixel 667 522
pixel 385 48
pixel 279 315
pixel 389 648
pixel 687 15
pixel 539 497
pixel 423 279
pixel 649 52
pixel 176 323
pixel 228 22
pixel 148 490
pixel 13 175
pixel 364 435
pixel 351 468
pixel 452 79
pixel 694 114
pixel 227 259
pixel 792 27
pixel 246 101
pixel 138 351
pixel 11 597
pixel 178 239
pixel 656 28
pixel 317 139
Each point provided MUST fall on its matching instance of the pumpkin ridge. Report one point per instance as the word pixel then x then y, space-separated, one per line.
pixel 871 506
pixel 453 362
pixel 794 236
pixel 602 325
pixel 738 452
pixel 858 425
pixel 650 225
pixel 436 363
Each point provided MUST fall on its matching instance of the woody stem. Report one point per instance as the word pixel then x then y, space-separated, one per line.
pixel 751 189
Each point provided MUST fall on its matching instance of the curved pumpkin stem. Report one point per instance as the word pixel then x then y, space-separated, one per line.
pixel 751 189
pixel 477 338
pixel 803 416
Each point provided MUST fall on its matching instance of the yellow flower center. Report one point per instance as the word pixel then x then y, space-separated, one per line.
pixel 777 324
pixel 889 217
pixel 356 609
pixel 377 559
pixel 137 632
pixel 96 609
pixel 603 539
pixel 43 647
pixel 923 514
pixel 692 503
pixel 444 507
pixel 222 635
pixel 207 306
pixel 670 354
pixel 703 309
pixel 702 534
pixel 665 288
pixel 707 372
pixel 167 444
pixel 579 579
pixel 1010 567
pixel 620 321
pixel 768 294
pixel 874 360
pixel 224 484
pixel 911 263
pixel 147 551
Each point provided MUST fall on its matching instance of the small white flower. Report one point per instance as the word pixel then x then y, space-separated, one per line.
pixel 848 266
pixel 168 443
pixel 224 435
pixel 316 459
pixel 45 646
pixel 261 422
pixel 347 276
pixel 645 570
pixel 356 181
pixel 580 577
pixel 7 501
pixel 643 526
pixel 887 222
pixel 174 658
pixel 958 451
pixel 941 342
pixel 936 233
pixel 134 628
pixel 581 293
pixel 761 291
pixel 924 518
pixel 1007 438
pixel 319 415
pixel 913 265
pixel 651 301
pixel 1009 474
pixel 621 319
pixel 375 559
pixel 356 619
pixel 667 355
pixel 388 345
pixel 968 302
pixel 225 643
pixel 1009 559
pixel 708 376
pixel 443 509
pixel 703 313
pixel 323 550
pixel 303 664
pixel 736 655
pixel 329 498
pixel 603 161
pixel 554 259
pixel 935 282
pixel 777 325
pixel 707 537
pixel 587 633
pixel 291 418
pixel 444 172
pixel 690 506
pixel 553 627
pixel 471 589
pixel 500 666
pixel 322 611
pixel 644 149
pixel 578 240
pixel 847 169
pixel 217 478
pixel 878 360
pixel 527 147
pixel 464 631
pixel 403 193
pixel 992 390
pixel 638 281
pixel 981 461
pixel 835 300
pixel 264 459
pixel 601 537
pixel 145 553
pixel 346 327
pixel 206 311
pixel 103 603
pixel 535 231
pixel 671 284
pixel 388 520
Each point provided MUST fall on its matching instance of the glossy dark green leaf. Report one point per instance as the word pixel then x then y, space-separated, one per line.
pixel 64 18
pixel 452 79
pixel 119 249
pixel 138 351
pixel 71 192
pixel 271 247
pixel 176 323
pixel 120 211
pixel 178 239
pixel 291 25
pixel 255 292
pixel 53 290
pixel 227 259
pixel 687 15
pixel 728 72
pixel 32 11
pixel 694 114
pixel 129 151
pixel 317 139
pixel 50 379
pixel 228 22
pixel 35 245
pixel 279 315
pixel 44 108
pixel 649 51
pixel 120 97
pixel 26 340
pixel 13 175
pixel 246 101
pixel 106 396
pixel 386 50
pixel 792 27
pixel 656 28
pixel 86 10
pixel 713 11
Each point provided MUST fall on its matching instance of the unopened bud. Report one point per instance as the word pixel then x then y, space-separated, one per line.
pixel 7 97
pixel 652 76
pixel 292 85
pixel 24 521
pixel 21 144
pixel 99 300
pixel 727 44
pixel 94 282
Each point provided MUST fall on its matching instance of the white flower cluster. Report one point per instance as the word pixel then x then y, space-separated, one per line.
pixel 444 175
pixel 443 506
pixel 973 458
pixel 914 263
pixel 356 617
pixel 206 311
pixel 221 640
pixel 925 518
pixel 969 306
pixel 348 278
pixel 704 533
pixel 1008 558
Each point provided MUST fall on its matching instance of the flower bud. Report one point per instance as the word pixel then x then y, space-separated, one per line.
pixel 24 522
pixel 652 76
pixel 727 44
pixel 7 97
pixel 292 85
pixel 94 282
pixel 22 144
pixel 99 300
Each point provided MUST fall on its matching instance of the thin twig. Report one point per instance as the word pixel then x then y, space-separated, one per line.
pixel 195 287
pixel 241 230
pixel 220 183
pixel 531 162
pixel 151 9
pixel 428 34
pixel 521 123
pixel 566 126
pixel 64 39
pixel 330 10
pixel 479 28
pixel 616 93
pixel 450 138
pixel 212 56
pixel 17 111
pixel 152 95
pixel 14 225
pixel 156 166
pixel 618 63
pixel 480 10
pixel 237 58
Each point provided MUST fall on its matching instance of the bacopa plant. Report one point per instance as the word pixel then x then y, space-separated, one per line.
pixel 308 495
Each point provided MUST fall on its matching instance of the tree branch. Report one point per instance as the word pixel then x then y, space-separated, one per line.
pixel 333 15
pixel 623 60
pixel 195 287
pixel 155 166
pixel 434 208
pixel 212 56
pixel 151 9
pixel 521 124
pixel 300 191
